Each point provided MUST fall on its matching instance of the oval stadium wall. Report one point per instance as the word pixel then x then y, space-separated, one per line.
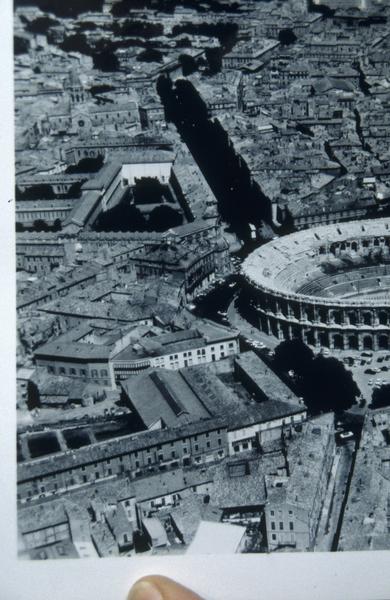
pixel 329 285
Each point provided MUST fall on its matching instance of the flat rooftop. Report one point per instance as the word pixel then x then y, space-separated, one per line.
pixel 264 378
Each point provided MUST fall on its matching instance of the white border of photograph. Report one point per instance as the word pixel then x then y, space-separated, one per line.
pixel 355 576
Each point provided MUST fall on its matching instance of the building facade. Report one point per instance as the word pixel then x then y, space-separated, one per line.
pixel 328 286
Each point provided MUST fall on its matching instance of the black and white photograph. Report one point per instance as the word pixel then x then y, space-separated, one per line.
pixel 202 216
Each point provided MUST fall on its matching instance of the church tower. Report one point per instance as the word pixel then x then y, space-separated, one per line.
pixel 75 88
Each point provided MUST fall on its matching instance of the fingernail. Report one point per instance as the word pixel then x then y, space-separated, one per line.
pixel 145 590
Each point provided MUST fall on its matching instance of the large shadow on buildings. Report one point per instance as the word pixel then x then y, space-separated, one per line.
pixel 240 200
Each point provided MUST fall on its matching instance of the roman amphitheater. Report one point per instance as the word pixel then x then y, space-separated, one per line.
pixel 329 285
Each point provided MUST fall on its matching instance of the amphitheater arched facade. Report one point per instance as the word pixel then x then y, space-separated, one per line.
pixel 356 316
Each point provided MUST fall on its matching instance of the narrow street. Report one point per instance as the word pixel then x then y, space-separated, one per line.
pixel 247 330
pixel 337 489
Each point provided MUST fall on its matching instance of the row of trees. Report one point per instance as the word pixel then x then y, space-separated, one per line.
pixel 103 51
pixel 135 33
pixel 45 191
pixel 39 225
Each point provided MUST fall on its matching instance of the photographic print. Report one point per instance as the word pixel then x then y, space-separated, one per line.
pixel 202 213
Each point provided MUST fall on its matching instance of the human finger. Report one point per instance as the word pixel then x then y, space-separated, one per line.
pixel 157 587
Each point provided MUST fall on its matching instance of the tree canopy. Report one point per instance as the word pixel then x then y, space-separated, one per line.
pixel 188 64
pixel 123 217
pixel 150 55
pixel 287 37
pixel 86 165
pixel 324 383
pixel 105 61
pixel 164 217
pixel 327 385
pixel 293 354
pixel 41 24
pixel 138 28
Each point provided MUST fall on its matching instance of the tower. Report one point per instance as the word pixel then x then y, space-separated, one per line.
pixel 75 88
